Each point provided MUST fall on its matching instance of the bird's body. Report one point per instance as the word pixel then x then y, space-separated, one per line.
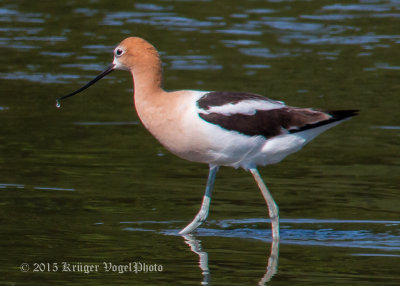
pixel 195 126
pixel 218 128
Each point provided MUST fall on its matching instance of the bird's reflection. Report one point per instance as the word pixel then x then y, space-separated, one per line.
pixel 195 246
pixel 272 265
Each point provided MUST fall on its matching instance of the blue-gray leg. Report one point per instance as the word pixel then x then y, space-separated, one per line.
pixel 205 206
pixel 273 208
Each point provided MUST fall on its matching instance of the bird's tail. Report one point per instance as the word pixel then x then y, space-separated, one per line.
pixel 338 115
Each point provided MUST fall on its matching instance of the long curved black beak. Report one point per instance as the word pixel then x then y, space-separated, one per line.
pixel 109 69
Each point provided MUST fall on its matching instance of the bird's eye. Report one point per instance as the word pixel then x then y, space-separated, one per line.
pixel 119 52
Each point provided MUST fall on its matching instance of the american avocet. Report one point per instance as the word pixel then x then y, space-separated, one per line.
pixel 235 129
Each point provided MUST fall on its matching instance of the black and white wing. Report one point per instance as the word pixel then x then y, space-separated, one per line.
pixel 256 115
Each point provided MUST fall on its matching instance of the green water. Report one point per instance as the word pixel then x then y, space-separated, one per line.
pixel 87 184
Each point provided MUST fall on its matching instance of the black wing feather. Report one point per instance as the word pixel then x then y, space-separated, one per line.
pixel 270 123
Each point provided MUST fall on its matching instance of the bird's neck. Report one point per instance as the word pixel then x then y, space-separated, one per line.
pixel 148 92
pixel 147 78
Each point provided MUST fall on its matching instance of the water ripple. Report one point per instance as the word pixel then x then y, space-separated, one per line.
pixel 152 7
pixel 107 123
pixel 192 62
pixel 380 235
pixel 21 186
pixel 39 77
pixel 264 53
pixel 12 16
pixel 358 7
pixel 387 127
pixel 52 189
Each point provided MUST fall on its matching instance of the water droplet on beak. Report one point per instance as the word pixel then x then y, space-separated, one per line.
pixel 58 104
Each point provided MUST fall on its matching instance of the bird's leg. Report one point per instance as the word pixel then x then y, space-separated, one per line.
pixel 205 206
pixel 273 208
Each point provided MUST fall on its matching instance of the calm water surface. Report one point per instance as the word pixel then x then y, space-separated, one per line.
pixel 87 184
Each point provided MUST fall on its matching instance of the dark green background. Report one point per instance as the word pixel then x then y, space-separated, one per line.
pixel 87 183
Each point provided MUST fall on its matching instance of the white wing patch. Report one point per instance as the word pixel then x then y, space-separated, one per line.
pixel 247 107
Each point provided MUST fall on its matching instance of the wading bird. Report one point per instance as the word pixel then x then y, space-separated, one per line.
pixel 219 128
